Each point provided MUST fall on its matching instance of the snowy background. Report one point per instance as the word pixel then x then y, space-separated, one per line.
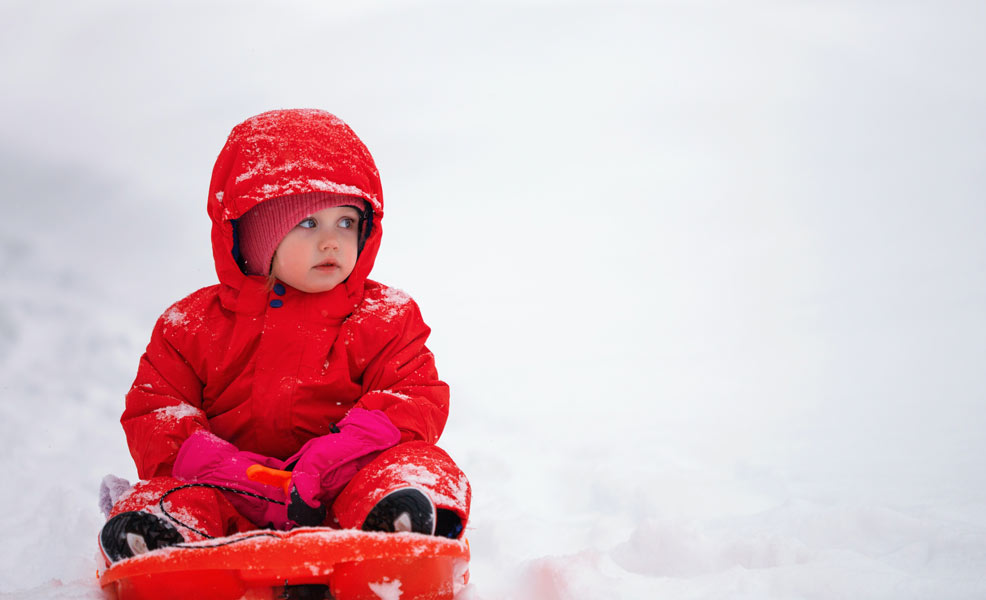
pixel 708 278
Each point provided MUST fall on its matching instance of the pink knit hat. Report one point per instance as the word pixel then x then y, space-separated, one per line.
pixel 261 229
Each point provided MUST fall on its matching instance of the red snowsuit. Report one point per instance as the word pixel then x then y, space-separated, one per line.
pixel 268 371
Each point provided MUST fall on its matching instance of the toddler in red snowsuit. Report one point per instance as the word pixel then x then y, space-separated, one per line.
pixel 294 361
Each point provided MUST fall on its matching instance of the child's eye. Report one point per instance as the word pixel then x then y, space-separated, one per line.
pixel 308 223
pixel 347 222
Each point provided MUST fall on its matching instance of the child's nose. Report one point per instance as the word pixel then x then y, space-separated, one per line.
pixel 329 241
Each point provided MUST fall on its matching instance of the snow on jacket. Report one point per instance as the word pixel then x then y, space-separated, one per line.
pixel 270 369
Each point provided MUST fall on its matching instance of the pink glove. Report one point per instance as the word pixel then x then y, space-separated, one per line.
pixel 325 464
pixel 206 458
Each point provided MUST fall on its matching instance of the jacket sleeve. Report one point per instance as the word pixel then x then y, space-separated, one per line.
pixel 164 405
pixel 403 382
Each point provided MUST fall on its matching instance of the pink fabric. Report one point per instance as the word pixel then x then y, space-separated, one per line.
pixel 206 458
pixel 417 464
pixel 262 228
pixel 327 463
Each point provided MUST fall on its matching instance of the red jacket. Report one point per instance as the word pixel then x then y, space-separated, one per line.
pixel 265 377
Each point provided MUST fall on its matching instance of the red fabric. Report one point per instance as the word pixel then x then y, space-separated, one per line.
pixel 265 378
pixel 202 509
pixel 418 464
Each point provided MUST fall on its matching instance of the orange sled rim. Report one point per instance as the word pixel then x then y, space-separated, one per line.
pixel 344 564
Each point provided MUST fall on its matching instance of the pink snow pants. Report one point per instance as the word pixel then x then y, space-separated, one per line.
pixel 417 464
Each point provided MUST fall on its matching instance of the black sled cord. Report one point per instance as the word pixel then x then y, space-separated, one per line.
pixel 220 488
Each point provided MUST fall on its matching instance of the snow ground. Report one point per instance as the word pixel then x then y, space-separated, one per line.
pixel 707 278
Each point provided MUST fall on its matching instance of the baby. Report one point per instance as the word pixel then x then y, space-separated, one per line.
pixel 295 361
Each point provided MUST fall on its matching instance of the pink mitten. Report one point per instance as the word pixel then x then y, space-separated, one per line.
pixel 206 458
pixel 325 464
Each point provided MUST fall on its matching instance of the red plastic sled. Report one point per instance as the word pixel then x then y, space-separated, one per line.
pixel 347 564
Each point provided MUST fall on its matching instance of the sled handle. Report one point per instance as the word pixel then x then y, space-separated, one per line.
pixel 269 476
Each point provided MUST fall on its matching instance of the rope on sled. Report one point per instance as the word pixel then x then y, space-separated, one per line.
pixel 220 488
pixel 226 543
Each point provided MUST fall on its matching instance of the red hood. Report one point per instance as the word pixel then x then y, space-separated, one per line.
pixel 290 152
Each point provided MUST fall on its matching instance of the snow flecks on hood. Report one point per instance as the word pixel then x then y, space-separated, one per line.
pixel 178 412
pixel 299 186
pixel 268 127
pixel 262 165
pixel 338 188
pixel 387 590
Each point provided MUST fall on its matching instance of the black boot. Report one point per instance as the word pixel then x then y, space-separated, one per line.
pixel 447 524
pixel 406 509
pixel 131 533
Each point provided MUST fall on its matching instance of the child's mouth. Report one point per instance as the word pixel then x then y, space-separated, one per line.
pixel 328 266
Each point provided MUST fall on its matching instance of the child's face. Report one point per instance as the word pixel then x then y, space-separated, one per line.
pixel 320 252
